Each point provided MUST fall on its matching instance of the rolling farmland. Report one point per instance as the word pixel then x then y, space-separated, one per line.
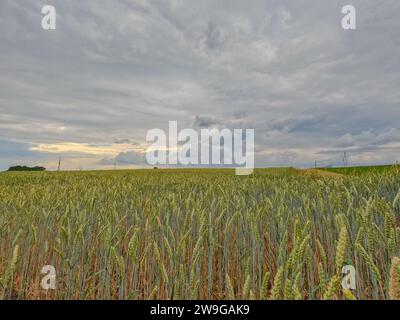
pixel 200 234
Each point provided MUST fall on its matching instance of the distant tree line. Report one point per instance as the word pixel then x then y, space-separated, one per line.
pixel 25 168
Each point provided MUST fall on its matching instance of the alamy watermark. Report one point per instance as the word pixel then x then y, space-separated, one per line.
pixel 49 20
pixel 209 147
pixel 348 21
pixel 349 277
pixel 49 280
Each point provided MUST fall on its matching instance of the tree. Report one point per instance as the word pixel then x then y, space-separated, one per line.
pixel 25 168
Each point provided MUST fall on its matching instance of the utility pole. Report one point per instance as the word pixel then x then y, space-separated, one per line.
pixel 59 164
pixel 345 159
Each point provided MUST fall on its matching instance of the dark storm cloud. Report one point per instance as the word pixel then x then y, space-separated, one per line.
pixel 125 158
pixel 287 69
pixel 204 122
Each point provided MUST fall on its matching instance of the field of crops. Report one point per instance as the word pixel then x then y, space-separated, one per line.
pixel 361 169
pixel 199 234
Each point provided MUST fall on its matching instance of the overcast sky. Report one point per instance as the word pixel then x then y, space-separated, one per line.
pixel 89 91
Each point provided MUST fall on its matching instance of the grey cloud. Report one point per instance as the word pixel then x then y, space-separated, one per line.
pixel 15 148
pixel 125 158
pixel 13 153
pixel 116 69
pixel 204 122
pixel 122 141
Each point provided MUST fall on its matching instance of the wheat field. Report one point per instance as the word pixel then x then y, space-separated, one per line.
pixel 200 234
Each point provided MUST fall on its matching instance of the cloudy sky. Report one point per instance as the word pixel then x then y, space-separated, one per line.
pixel 89 91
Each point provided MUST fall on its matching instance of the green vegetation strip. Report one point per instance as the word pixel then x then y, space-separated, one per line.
pixel 199 234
